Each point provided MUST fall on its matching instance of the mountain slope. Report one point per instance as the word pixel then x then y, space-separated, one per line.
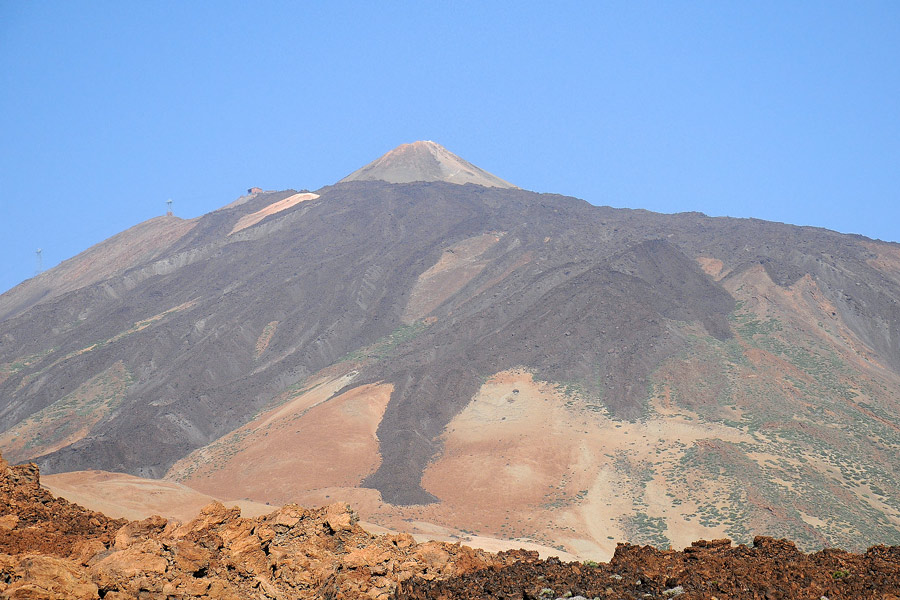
pixel 345 342
pixel 132 247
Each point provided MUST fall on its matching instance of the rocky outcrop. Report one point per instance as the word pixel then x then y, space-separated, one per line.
pixel 33 521
pixel 770 569
pixel 53 549
pixel 50 548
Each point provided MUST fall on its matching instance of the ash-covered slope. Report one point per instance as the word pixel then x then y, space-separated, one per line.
pixel 765 343
pixel 135 246
pixel 174 347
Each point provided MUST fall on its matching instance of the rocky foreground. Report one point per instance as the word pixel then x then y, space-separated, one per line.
pixel 771 569
pixel 51 548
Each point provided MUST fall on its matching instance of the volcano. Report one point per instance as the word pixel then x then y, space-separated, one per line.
pixel 452 354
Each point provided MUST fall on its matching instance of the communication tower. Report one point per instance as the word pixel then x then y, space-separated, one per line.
pixel 39 262
pixel 169 207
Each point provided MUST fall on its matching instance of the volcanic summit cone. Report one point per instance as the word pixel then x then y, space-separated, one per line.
pixel 425 161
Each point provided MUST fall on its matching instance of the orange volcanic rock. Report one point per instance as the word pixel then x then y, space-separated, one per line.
pixel 50 548
pixel 33 521
pixel 41 576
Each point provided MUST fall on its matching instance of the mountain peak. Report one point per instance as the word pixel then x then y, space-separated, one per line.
pixel 424 161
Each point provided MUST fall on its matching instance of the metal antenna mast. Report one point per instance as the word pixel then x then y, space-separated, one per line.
pixel 39 262
pixel 169 207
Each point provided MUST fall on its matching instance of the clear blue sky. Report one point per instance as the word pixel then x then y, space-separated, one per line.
pixel 787 111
